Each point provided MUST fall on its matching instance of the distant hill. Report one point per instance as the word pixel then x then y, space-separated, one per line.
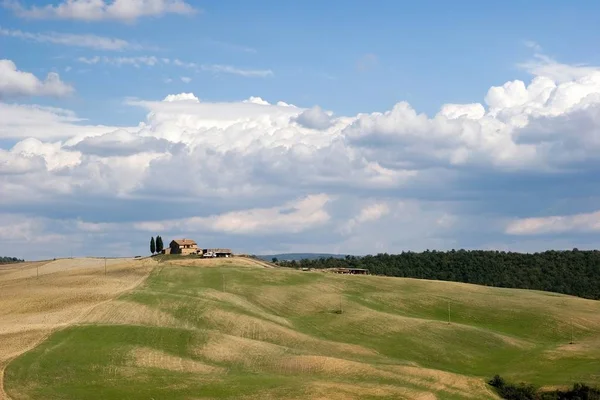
pixel 298 256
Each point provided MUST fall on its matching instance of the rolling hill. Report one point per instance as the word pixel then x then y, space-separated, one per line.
pixel 232 329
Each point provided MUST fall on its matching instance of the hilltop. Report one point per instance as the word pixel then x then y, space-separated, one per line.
pixel 233 329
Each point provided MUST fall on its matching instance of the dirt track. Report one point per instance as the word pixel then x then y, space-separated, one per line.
pixel 41 297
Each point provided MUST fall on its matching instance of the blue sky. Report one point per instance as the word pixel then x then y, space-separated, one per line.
pixel 427 53
pixel 493 164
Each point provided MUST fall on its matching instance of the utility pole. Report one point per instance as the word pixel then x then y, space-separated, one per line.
pixel 341 309
pixel 104 265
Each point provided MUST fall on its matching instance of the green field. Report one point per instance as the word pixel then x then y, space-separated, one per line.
pixel 192 332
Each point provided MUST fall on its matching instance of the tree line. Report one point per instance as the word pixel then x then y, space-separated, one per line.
pixel 156 246
pixel 571 272
pixel 524 391
pixel 10 260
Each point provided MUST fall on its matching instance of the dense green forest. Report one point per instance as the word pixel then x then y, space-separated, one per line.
pixel 9 260
pixel 571 272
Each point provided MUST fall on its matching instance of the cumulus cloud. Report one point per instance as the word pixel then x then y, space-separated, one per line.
pixel 186 79
pixel 70 39
pixel 181 97
pixel 256 169
pixel 98 10
pixel 256 100
pixel 15 83
pixel 12 163
pixel 54 156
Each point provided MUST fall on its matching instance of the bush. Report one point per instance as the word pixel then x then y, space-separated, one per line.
pixel 497 382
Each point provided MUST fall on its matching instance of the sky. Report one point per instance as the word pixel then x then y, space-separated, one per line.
pixel 342 127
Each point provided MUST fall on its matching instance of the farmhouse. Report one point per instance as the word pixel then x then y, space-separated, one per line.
pixel 183 246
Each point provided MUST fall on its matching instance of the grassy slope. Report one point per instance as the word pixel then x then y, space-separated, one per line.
pixel 265 333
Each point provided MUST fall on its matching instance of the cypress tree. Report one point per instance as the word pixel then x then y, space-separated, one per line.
pixel 159 244
pixel 152 245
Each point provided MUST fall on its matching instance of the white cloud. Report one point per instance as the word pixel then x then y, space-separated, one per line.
pixel 228 69
pixel 14 83
pixel 582 223
pixel 89 60
pixel 16 228
pixel 12 163
pixel 186 79
pixel 44 123
pixel 149 61
pixel 369 213
pixel 533 45
pixel 98 10
pixel 69 39
pixel 54 156
pixel 256 100
pixel 248 170
pixel 545 66
pixel 152 61
pixel 182 97
pixel 293 217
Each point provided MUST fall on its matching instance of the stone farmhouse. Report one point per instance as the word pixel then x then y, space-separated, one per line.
pixel 183 246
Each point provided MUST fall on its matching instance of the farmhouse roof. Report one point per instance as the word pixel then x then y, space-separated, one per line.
pixel 183 242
